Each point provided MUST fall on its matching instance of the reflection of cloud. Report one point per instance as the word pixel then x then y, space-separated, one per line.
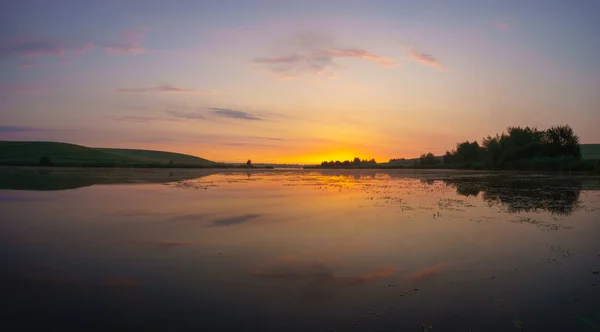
pixel 383 272
pixel 234 114
pixel 21 240
pixel 173 244
pixel 189 217
pixel 44 280
pixel 427 59
pixel 139 213
pixel 428 272
pixel 52 281
pixel 233 220
pixel 318 270
pixel 121 282
pixel 294 268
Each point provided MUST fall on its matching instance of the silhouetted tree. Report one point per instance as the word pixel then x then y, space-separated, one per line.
pixel 560 141
pixel 518 145
pixel 492 149
pixel 249 163
pixel 356 161
pixel 428 159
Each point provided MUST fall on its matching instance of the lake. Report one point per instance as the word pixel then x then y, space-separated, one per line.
pixel 299 250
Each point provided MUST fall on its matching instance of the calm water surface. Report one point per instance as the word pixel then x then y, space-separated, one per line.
pixel 293 250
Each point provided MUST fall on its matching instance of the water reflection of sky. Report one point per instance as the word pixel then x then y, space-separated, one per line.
pixel 306 251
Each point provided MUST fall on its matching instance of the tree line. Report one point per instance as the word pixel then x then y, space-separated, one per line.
pixel 357 162
pixel 517 145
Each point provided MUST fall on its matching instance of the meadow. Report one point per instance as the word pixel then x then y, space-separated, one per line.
pixel 64 154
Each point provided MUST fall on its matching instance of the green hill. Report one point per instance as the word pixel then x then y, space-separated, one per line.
pixel 64 154
pixel 590 151
pixel 158 156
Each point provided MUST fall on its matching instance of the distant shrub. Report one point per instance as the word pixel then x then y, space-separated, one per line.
pixel 429 159
pixel 45 161
pixel 597 167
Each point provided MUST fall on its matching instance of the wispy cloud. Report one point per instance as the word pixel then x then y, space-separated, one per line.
pixel 266 138
pixel 187 115
pixel 164 89
pixel 18 129
pixel 316 54
pixel 38 47
pixel 17 88
pixel 141 119
pixel 29 64
pixel 321 62
pixel 426 59
pixel 129 43
pixel 234 114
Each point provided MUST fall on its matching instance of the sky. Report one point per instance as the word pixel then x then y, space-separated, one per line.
pixel 296 81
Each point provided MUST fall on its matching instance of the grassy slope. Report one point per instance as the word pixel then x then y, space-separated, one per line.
pixel 63 153
pixel 590 151
pixel 158 156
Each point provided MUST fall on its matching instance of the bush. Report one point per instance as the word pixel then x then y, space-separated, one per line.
pixel 45 161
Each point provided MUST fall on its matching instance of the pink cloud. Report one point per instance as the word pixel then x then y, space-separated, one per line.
pixel 426 59
pixel 318 61
pixel 29 64
pixel 363 54
pixel 130 43
pixel 21 88
pixel 164 89
pixel 501 26
pixel 83 48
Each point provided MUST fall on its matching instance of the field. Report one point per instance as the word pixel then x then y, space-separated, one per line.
pixel 64 154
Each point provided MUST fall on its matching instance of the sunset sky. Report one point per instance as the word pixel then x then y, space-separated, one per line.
pixel 296 81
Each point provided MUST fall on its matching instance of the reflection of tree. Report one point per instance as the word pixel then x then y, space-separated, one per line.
pixel 558 195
